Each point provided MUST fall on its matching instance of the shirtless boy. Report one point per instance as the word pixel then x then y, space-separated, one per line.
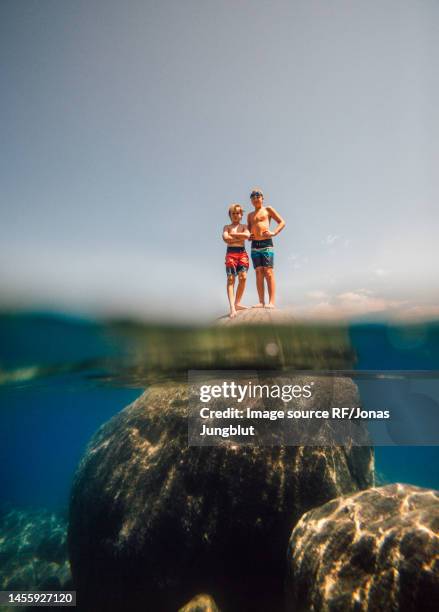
pixel 258 223
pixel 237 261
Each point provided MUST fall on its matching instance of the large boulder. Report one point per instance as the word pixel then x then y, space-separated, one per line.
pixel 153 520
pixel 374 550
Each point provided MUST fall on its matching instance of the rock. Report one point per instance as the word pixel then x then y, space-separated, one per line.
pixel 200 603
pixel 160 352
pixel 274 338
pixel 33 551
pixel 153 520
pixel 259 316
pixel 374 550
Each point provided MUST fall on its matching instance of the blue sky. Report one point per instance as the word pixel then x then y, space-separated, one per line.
pixel 127 129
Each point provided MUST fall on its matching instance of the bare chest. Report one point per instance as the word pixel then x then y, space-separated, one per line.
pixel 261 216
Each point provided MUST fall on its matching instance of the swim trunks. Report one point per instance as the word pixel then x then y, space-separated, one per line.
pixel 262 253
pixel 236 260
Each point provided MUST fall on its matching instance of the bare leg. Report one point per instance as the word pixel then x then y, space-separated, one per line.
pixel 230 294
pixel 242 277
pixel 271 285
pixel 260 286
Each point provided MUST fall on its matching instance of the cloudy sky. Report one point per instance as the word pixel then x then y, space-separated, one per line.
pixel 127 129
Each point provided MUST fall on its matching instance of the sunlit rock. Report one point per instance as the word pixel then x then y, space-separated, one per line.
pixel 374 550
pixel 154 520
pixel 200 603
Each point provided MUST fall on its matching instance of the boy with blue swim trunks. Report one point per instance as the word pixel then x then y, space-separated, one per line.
pixel 262 254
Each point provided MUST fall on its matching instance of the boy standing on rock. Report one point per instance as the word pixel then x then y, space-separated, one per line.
pixel 237 261
pixel 258 223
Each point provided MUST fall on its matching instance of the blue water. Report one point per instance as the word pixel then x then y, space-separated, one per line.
pixel 47 419
pixel 44 432
pixel 390 347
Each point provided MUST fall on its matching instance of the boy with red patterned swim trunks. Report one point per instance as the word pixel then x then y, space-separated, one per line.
pixel 237 262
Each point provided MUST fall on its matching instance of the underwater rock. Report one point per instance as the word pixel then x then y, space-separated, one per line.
pixel 155 520
pixel 33 551
pixel 374 550
pixel 200 603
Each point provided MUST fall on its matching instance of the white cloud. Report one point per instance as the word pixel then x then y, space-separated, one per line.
pixel 316 295
pixel 297 260
pixel 428 311
pixel 381 272
pixel 361 302
pixel 330 239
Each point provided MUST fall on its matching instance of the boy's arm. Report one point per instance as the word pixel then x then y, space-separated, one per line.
pixel 280 222
pixel 249 225
pixel 244 233
pixel 226 235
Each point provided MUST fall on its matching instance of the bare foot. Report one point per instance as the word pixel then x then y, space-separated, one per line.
pixel 260 305
pixel 240 307
pixel 232 314
pixel 270 306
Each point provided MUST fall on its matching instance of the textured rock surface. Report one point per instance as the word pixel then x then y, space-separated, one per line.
pixel 153 520
pixel 33 551
pixel 200 603
pixel 374 550
pixel 258 316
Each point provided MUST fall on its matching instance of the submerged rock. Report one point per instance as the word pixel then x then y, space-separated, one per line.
pixel 33 550
pixel 374 550
pixel 153 520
